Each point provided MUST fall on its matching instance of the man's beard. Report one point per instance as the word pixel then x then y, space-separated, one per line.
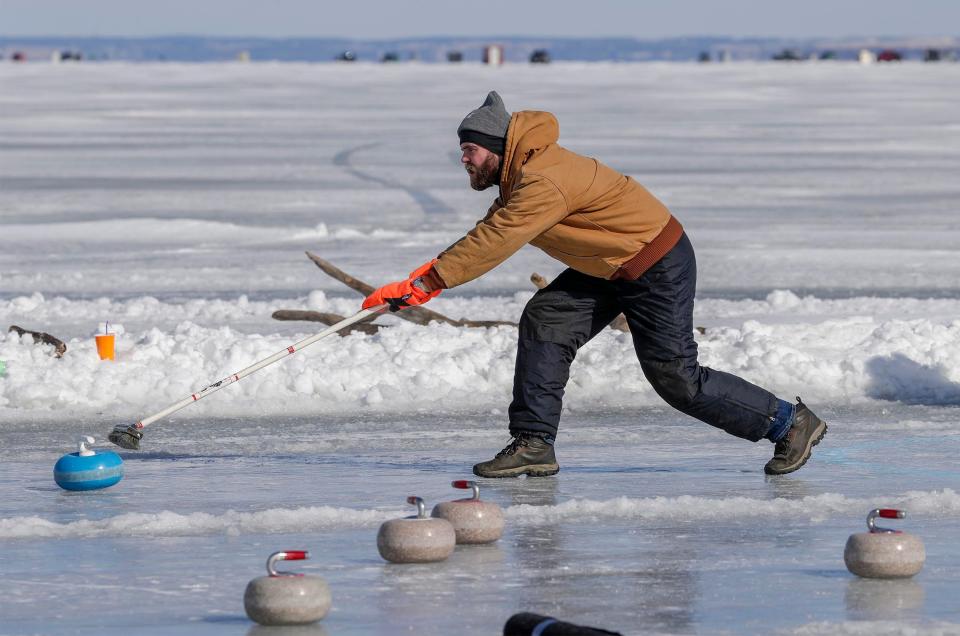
pixel 486 174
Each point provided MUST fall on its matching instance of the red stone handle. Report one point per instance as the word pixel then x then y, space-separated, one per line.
pixel 286 555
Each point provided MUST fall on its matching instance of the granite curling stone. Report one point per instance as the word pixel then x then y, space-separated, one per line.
pixel 473 520
pixel 417 539
pixel 87 469
pixel 286 598
pixel 882 553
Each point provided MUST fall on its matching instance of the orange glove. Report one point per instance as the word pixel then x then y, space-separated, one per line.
pixel 404 293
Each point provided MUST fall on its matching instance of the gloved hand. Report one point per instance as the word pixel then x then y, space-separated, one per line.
pixel 404 293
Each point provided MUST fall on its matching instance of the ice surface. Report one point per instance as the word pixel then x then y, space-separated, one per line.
pixel 175 202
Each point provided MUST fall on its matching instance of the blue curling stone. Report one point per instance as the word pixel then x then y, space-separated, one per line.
pixel 74 471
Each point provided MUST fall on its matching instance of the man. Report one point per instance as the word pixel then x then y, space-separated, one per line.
pixel 626 253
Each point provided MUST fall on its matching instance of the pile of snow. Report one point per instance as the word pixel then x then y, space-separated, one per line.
pixel 406 367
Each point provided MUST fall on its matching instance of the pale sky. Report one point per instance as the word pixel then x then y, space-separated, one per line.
pixel 412 18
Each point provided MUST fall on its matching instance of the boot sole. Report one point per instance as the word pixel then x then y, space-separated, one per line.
pixel 537 470
pixel 814 440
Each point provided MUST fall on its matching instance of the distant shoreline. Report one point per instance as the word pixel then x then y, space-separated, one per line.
pixel 515 49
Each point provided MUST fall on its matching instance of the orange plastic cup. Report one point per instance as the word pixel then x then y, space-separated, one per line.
pixel 105 346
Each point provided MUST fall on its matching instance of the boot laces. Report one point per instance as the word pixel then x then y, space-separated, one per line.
pixel 782 447
pixel 515 445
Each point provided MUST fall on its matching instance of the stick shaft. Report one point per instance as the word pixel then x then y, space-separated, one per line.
pixel 239 375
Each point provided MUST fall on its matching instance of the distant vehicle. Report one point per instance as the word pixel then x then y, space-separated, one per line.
pixel 932 55
pixel 703 57
pixel 390 57
pixel 788 55
pixel 454 56
pixel 347 56
pixel 540 56
pixel 19 56
pixel 828 55
pixel 889 55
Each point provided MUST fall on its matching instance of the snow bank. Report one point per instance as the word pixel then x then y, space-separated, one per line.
pixel 407 367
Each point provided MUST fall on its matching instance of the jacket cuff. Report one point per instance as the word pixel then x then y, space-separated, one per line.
pixel 432 280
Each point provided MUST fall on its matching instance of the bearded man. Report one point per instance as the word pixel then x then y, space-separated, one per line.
pixel 625 254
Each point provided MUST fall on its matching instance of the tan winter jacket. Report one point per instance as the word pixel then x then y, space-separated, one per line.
pixel 572 207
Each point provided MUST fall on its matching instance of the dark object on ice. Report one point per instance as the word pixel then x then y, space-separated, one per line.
pixel 787 55
pixel 526 455
pixel 540 56
pixel 41 337
pixel 889 55
pixel 327 319
pixel 703 57
pixel 527 624
pixel 931 55
pixel 390 56
pixel 347 56
pixel 795 448
pixel 828 55
pixel 454 56
pixel 126 436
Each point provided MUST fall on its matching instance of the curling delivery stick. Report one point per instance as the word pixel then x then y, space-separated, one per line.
pixel 130 436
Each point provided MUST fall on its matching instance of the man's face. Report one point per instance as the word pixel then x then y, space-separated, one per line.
pixel 481 164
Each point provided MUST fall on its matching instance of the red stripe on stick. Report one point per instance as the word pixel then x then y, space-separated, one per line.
pixel 291 349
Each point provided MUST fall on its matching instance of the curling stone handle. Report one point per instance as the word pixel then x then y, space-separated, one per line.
pixel 287 555
pixel 421 507
pixel 883 513
pixel 82 450
pixel 465 484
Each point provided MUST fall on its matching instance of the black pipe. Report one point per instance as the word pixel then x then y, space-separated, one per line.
pixel 527 624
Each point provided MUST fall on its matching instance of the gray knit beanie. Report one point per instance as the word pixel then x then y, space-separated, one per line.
pixel 487 126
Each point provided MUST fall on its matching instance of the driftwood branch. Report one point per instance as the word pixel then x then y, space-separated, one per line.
pixel 418 315
pixel 619 323
pixel 326 318
pixel 39 336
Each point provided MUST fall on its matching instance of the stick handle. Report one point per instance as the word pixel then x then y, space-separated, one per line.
pixel 239 375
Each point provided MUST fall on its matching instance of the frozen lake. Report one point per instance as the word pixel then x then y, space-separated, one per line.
pixel 175 202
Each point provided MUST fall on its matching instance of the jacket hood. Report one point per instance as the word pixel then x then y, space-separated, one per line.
pixel 530 132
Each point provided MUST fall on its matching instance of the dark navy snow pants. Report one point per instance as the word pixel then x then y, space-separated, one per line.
pixel 571 310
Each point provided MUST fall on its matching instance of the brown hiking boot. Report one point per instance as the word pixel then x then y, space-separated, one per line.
pixel 793 450
pixel 525 455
